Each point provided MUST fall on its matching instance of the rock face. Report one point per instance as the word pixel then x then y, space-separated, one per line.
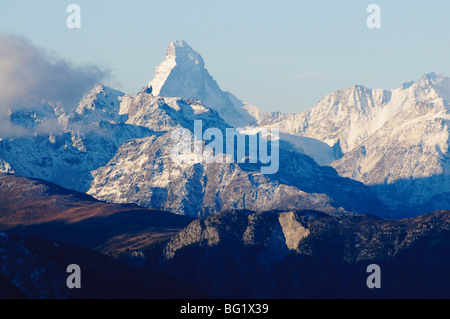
pixel 99 104
pixel 162 114
pixel 183 74
pixel 143 171
pixel 117 147
pixel 394 141
pixel 405 170
pixel 74 144
pixel 311 255
pixel 5 167
pixel 66 158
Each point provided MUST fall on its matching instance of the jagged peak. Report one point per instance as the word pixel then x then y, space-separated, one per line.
pixel 183 74
pixel 406 85
pixel 434 77
pixel 99 103
pixel 433 83
pixel 360 87
pixel 181 52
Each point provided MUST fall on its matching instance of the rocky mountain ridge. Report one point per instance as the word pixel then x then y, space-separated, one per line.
pixel 233 254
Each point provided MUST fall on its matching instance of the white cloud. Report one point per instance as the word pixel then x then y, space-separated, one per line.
pixel 30 75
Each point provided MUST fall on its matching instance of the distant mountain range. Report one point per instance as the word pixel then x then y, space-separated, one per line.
pixel 115 147
pixel 396 141
pixel 363 177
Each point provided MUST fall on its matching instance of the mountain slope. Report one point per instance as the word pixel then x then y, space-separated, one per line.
pixel 405 161
pixel 311 255
pixel 395 141
pixel 183 74
pixel 233 254
pixel 74 145
pixel 351 115
pixel 118 147
pixel 143 170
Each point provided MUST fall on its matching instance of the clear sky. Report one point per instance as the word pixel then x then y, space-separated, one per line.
pixel 279 55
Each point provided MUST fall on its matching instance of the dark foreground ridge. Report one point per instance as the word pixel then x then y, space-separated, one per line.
pixel 128 252
pixel 311 255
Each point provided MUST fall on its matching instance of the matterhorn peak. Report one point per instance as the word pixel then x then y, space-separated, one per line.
pixel 181 61
pixel 183 74
pixel 183 54
pixel 100 103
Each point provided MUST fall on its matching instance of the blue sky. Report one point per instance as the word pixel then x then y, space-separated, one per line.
pixel 279 55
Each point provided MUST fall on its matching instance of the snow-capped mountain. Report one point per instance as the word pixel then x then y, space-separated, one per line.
pixel 5 167
pixel 162 114
pixel 349 116
pixel 117 147
pixel 43 116
pixel 396 141
pixel 143 172
pixel 311 255
pixel 343 118
pixel 183 74
pixel 407 160
pixel 74 144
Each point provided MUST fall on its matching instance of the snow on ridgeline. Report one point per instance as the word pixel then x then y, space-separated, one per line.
pixel 183 74
pixel 396 141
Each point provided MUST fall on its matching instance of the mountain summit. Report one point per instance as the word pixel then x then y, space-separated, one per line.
pixel 179 55
pixel 396 141
pixel 183 74
pixel 181 50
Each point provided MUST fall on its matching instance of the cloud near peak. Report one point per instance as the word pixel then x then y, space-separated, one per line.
pixel 30 75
